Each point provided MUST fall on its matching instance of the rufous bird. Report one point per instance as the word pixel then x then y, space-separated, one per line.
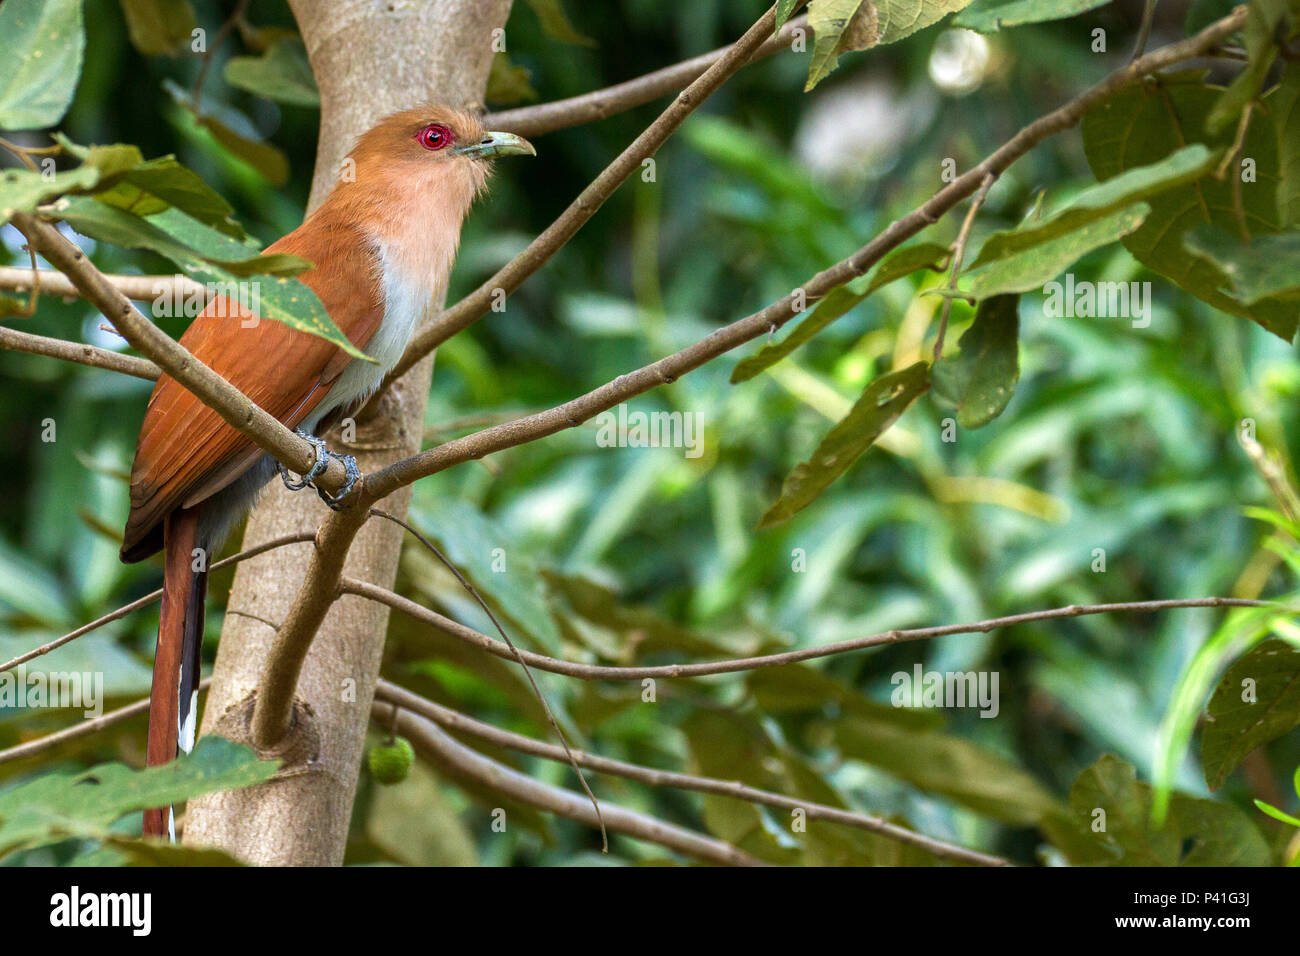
pixel 382 245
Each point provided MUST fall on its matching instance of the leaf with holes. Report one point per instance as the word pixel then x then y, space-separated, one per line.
pixel 1108 800
pixel 58 805
pixel 880 405
pixel 980 381
pixel 1257 700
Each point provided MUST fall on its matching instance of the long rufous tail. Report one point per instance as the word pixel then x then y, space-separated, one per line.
pixel 172 702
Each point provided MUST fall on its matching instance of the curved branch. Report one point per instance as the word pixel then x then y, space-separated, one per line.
pixel 736 665
pixel 33 747
pixel 238 410
pixel 141 288
pixel 774 316
pixel 458 761
pixel 475 305
pixel 79 352
pixel 453 720
pixel 599 104
pixel 148 599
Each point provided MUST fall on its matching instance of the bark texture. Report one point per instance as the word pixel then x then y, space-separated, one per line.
pixel 370 57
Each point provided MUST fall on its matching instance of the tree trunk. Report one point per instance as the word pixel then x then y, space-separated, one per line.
pixel 370 59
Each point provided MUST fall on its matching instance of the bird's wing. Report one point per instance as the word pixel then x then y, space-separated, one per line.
pixel 186 451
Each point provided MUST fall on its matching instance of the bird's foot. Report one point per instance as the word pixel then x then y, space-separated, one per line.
pixel 318 468
pixel 353 475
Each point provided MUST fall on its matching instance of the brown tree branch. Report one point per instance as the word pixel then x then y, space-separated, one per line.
pixel 738 664
pixel 33 747
pixel 453 720
pixel 774 316
pixel 148 599
pixel 475 305
pixel 460 762
pixel 599 104
pixel 141 288
pixel 78 352
pixel 239 411
pixel 274 705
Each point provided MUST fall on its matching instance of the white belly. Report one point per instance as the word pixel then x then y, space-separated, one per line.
pixel 406 304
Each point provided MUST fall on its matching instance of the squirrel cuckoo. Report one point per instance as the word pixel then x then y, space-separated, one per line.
pixel 382 245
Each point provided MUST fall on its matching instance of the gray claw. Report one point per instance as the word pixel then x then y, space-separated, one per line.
pixel 317 469
pixel 353 473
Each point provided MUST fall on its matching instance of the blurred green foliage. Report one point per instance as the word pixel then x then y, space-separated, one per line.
pixel 1114 474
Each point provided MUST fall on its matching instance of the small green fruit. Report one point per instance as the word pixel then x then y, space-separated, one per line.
pixel 390 762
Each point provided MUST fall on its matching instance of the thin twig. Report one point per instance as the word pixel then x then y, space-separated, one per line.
pixel 33 747
pixel 958 254
pixel 454 720
pixel 736 665
pixel 1144 29
pixel 237 409
pixel 720 341
pixel 78 352
pixel 475 305
pixel 532 681
pixel 140 288
pixel 599 104
pixel 458 761
pixel 296 538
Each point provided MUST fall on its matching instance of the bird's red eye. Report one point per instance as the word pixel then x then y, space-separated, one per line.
pixel 434 136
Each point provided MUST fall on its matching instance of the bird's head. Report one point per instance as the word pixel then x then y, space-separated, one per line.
pixel 433 145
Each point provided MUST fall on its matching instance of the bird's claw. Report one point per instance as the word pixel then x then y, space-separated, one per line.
pixel 353 475
pixel 319 467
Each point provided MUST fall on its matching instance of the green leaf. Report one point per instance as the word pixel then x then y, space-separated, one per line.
pixel 838 301
pixel 263 157
pixel 158 26
pixel 1277 814
pixel 507 83
pixel 57 805
pixel 1268 267
pixel 842 25
pixel 879 406
pixel 1031 268
pixel 1258 700
pixel 1133 185
pixel 282 73
pixel 145 187
pixel 22 190
pixel 783 10
pixel 990 16
pixel 1148 122
pixel 1263 24
pixel 1109 801
pixel 210 256
pixel 556 23
pixel 1285 105
pixel 41 47
pixel 982 378
pixel 906 742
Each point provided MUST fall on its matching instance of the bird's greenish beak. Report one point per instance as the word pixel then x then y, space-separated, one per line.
pixel 497 144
